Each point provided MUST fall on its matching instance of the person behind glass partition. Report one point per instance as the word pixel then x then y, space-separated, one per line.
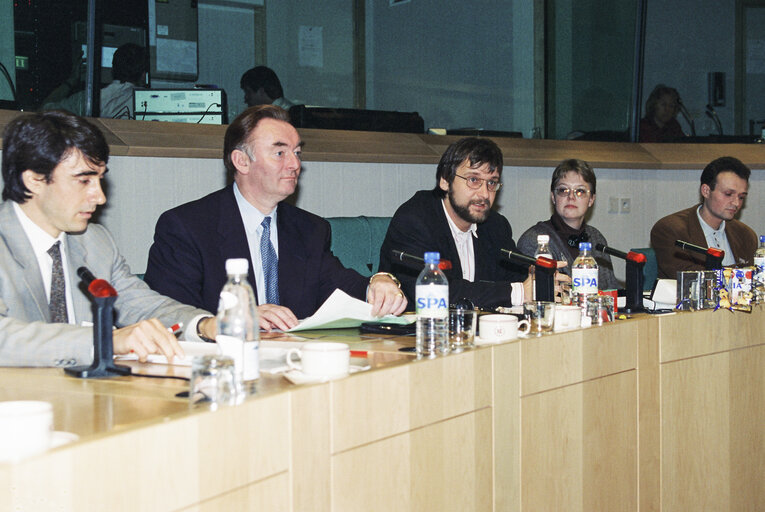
pixel 660 123
pixel 572 192
pixel 261 86
pixel 128 71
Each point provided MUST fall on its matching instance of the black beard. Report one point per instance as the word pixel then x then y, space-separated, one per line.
pixel 463 212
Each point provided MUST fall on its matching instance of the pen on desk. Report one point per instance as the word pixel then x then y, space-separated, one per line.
pixel 175 329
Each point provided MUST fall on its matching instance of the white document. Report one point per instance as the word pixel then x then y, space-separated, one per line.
pixel 341 310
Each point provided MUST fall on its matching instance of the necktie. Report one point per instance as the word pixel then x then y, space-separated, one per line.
pixel 270 263
pixel 57 304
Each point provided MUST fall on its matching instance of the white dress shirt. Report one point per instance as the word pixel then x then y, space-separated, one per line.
pixel 252 219
pixel 717 238
pixel 41 242
pixel 464 242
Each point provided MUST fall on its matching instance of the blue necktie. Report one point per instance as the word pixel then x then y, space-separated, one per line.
pixel 270 263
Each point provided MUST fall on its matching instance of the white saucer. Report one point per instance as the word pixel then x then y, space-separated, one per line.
pixel 59 438
pixel 298 377
pixel 479 342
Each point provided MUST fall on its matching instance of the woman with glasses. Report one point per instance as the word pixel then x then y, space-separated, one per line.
pixel 572 193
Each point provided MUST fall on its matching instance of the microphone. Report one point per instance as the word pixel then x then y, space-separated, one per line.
pixel 714 256
pixel 544 275
pixel 636 257
pixel 96 287
pixel 635 263
pixel 416 261
pixel 104 296
pixel 687 116
pixel 711 113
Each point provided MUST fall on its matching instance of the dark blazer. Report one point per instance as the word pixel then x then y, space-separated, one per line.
pixel 420 225
pixel 684 225
pixel 193 241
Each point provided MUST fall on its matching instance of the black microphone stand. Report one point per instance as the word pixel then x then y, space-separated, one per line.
pixel 103 365
pixel 713 256
pixel 634 270
pixel 544 273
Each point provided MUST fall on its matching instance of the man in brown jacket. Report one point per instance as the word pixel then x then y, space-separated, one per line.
pixel 724 186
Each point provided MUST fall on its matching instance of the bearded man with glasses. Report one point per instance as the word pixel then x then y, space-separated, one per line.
pixel 572 192
pixel 456 219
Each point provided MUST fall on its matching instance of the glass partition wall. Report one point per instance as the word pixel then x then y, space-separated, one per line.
pixel 552 68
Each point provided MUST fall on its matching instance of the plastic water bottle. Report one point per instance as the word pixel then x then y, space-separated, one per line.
pixel 238 327
pixel 543 249
pixel 759 273
pixel 432 297
pixel 584 276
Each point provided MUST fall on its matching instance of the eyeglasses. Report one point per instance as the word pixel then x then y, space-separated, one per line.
pixel 578 192
pixel 475 183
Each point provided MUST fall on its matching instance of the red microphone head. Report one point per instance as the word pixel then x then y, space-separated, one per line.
pixel 546 262
pixel 716 253
pixel 101 288
pixel 636 257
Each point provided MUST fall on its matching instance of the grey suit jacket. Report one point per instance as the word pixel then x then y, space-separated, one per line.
pixel 26 336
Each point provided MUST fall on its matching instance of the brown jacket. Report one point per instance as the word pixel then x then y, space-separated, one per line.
pixel 684 225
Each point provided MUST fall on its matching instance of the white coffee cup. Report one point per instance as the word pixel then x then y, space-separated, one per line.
pixel 325 359
pixel 567 317
pixel 495 328
pixel 26 428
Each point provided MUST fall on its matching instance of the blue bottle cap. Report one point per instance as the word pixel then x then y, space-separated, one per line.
pixel 762 239
pixel 585 246
pixel 432 257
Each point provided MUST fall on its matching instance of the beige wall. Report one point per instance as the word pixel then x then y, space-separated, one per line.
pixel 141 188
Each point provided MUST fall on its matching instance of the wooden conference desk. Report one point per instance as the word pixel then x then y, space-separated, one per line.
pixel 652 413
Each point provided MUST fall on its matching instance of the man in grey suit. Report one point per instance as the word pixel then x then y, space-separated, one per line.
pixel 52 164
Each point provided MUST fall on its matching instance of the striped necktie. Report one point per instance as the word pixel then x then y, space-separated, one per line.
pixel 57 304
pixel 270 263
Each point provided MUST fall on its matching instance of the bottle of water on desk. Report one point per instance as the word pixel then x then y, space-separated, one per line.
pixel 543 249
pixel 584 276
pixel 432 298
pixel 759 273
pixel 238 327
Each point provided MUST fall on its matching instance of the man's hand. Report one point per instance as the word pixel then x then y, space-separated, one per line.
pixel 272 316
pixel 144 338
pixel 385 296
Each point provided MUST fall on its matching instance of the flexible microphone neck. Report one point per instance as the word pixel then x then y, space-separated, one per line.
pixel 416 261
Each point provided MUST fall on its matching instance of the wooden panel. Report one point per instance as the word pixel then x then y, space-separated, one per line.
pixel 689 334
pixel 371 406
pixel 695 468
pixel 311 449
pixel 269 494
pixel 649 416
pixel 565 358
pixel 579 446
pixel 444 467
pixel 138 138
pixel 507 427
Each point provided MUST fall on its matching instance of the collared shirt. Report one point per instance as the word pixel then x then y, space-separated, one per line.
pixel 717 238
pixel 41 242
pixel 252 219
pixel 464 242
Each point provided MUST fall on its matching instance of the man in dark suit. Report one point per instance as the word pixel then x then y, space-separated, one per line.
pixel 53 164
pixel 457 220
pixel 724 187
pixel 291 267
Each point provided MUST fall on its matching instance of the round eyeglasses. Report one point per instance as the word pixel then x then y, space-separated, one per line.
pixel 475 183
pixel 579 192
